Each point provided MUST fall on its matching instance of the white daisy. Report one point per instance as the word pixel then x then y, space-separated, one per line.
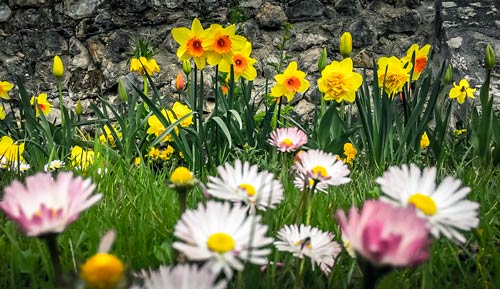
pixel 311 242
pixel 445 207
pixel 181 277
pixel 53 165
pixel 320 167
pixel 244 183
pixel 225 237
pixel 287 139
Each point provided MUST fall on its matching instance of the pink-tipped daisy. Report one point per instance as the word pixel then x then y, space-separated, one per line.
pixel 288 139
pixel 244 183
pixel 45 205
pixel 223 236
pixel 307 241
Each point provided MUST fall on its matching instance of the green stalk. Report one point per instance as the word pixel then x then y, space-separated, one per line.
pixel 61 104
pixel 299 274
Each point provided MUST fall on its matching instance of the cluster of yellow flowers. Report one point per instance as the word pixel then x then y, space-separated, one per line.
pixel 82 158
pixel 163 154
pixel 350 153
pixel 216 46
pixel 108 138
pixel 178 111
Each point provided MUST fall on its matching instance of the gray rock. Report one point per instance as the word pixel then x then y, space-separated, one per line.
pixel 271 16
pixel 304 10
pixel 304 110
pixel 78 9
pixel 27 3
pixel 455 42
pixel 81 57
pixel 303 41
pixel 309 60
pixel 407 22
pixel 364 33
pixel 5 12
pixel 255 4
pixel 348 7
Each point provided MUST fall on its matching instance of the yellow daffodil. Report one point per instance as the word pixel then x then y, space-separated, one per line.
pixel 5 86
pixel 220 43
pixel 392 74
pixel 461 91
pixel 107 136
pixel 81 158
pixel 350 153
pixel 57 67
pixel 339 82
pixel 289 83
pixel 420 58
pixel 150 66
pixel 41 104
pixel 181 110
pixel 2 113
pixel 243 64
pixel 191 43
pixel 157 128
pixel 424 141
pixel 11 151
pixel 346 44
pixel 102 271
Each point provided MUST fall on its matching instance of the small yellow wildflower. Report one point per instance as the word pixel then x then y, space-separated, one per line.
pixel 424 141
pixel 2 113
pixel 420 58
pixel 137 161
pixel 5 86
pixel 102 271
pixel 350 153
pixel 107 136
pixel 154 154
pixel 242 64
pixel 339 82
pixel 459 132
pixel 41 104
pixel 81 158
pixel 191 43
pixel 57 67
pixel 461 91
pixel 289 83
pixel 166 153
pixel 392 75
pixel 182 178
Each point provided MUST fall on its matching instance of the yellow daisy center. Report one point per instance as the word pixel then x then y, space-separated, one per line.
pixel 320 171
pixel 220 243
pixel 424 203
pixel 181 175
pixel 102 271
pixel 287 142
pixel 249 189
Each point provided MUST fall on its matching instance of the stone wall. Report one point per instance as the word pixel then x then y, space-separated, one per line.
pixel 96 37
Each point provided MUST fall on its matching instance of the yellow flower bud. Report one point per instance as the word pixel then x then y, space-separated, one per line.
pixel 448 74
pixel 186 66
pixel 57 67
pixel 346 44
pixel 78 108
pixel 322 60
pixel 102 271
pixel 489 58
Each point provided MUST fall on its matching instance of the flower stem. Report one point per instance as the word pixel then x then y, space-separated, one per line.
pixel 61 104
pixel 299 275
pixel 145 84
pixel 51 242
pixel 182 201
pixel 303 203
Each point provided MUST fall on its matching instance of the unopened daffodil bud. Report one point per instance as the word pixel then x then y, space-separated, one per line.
pixel 489 58
pixel 322 62
pixel 186 66
pixel 57 67
pixel 346 44
pixel 180 82
pixel 78 108
pixel 448 74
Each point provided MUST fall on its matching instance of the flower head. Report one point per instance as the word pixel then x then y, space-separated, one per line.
pixel 392 74
pixel 290 82
pixel 157 128
pixel 102 271
pixel 244 183
pixel 222 236
pixel 180 110
pixel 462 91
pixel 424 141
pixel 287 139
pixel 10 151
pixel 143 65
pixel 316 167
pixel 81 158
pixel 242 63
pixel 41 104
pixel 107 137
pixel 350 153
pixel 420 58
pixel 57 67
pixel 339 82
pixel 182 178
pixel 307 241
pixel 444 206
pixel 45 205
pixel 385 235
pixel 53 166
pixel 191 43
pixel 346 44
pixel 221 43
pixel 182 277
pixel 5 86
pixel 180 81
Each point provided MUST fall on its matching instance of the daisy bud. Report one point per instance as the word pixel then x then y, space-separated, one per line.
pixel 448 75
pixel 322 60
pixel 489 58
pixel 346 44
pixel 57 67
pixel 102 271
pixel 186 66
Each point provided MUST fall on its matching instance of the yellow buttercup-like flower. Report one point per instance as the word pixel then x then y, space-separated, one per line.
pixel 191 43
pixel 350 153
pixel 81 158
pixel 5 86
pixel 41 104
pixel 461 91
pixel 392 74
pixel 11 151
pixel 420 58
pixel 289 83
pixel 2 113
pixel 424 141
pixel 242 64
pixel 102 271
pixel 220 43
pixel 57 67
pixel 182 178
pixel 339 82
